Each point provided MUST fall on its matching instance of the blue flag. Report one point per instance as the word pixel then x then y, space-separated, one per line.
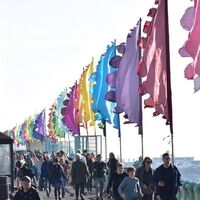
pixel 101 106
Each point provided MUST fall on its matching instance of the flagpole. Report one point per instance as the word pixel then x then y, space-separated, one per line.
pixel 105 137
pixel 68 144
pixel 169 92
pixel 45 125
pixel 120 139
pixel 140 113
pixel 87 140
pixel 95 137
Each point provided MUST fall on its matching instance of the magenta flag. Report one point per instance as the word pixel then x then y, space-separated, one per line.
pixel 153 65
pixel 70 115
pixel 191 22
pixel 127 80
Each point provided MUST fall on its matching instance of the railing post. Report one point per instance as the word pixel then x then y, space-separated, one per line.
pixel 191 191
pixel 185 191
pixel 197 191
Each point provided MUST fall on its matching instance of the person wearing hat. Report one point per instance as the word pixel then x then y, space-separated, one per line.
pixel 26 191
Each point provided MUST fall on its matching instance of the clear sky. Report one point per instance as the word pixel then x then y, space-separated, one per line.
pixel 44 45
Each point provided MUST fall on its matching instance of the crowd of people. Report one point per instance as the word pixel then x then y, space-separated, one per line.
pixel 89 172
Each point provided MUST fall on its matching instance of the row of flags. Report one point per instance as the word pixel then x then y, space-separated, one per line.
pixel 125 72
pixel 31 130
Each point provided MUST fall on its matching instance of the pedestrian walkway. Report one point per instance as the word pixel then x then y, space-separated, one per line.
pixel 70 195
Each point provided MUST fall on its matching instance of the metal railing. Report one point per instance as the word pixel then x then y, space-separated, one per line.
pixel 190 191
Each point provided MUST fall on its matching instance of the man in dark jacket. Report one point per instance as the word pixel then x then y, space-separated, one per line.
pixel 115 180
pixel 79 173
pixel 46 172
pixel 111 164
pixel 26 191
pixel 99 169
pixel 166 179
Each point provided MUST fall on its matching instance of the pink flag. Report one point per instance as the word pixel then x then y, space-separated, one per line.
pixel 154 64
pixel 191 22
pixel 70 115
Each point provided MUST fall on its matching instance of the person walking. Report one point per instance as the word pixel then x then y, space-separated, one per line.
pixel 57 178
pixel 89 165
pixel 167 179
pixel 111 164
pixel 24 170
pixel 145 176
pixel 46 171
pixel 129 189
pixel 99 170
pixel 65 179
pixel 79 174
pixel 26 191
pixel 115 180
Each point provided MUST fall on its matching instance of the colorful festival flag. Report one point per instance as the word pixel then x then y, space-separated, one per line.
pixel 102 107
pixel 85 90
pixel 70 115
pixel 127 79
pixel 154 63
pixel 191 22
pixel 39 128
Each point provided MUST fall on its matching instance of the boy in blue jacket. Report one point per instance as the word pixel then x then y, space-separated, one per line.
pixel 129 189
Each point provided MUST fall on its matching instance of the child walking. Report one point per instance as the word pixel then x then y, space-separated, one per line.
pixel 129 189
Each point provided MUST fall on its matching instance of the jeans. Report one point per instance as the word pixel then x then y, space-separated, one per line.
pixel 57 193
pixel 63 188
pixel 99 186
pixel 89 184
pixel 77 187
pixel 47 186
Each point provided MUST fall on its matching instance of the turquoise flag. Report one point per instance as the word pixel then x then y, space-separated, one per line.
pixel 101 106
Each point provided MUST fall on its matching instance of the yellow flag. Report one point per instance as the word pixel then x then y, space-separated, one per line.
pixel 85 85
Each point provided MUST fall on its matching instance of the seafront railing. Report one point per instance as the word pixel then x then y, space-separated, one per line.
pixel 190 191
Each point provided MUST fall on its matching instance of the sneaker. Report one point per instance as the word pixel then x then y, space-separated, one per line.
pixel 82 198
pixel 48 194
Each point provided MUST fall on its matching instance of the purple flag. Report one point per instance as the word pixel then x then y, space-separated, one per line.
pixel 127 80
pixel 40 124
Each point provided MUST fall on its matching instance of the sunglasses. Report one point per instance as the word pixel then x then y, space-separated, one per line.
pixel 26 180
pixel 148 162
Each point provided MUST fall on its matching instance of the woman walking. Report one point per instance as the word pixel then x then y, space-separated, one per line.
pixel 145 176
pixel 57 178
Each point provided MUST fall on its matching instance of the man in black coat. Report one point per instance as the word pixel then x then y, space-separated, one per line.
pixel 79 173
pixel 167 179
pixel 27 191
pixel 115 180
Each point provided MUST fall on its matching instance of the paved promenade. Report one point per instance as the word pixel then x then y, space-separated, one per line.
pixel 70 195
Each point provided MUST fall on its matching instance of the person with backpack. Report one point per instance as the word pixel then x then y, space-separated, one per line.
pixel 57 178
